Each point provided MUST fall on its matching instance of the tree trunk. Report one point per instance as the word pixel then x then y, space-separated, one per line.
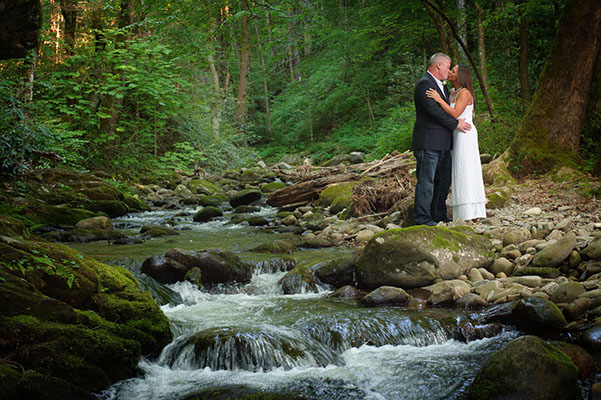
pixel 240 113
pixel 70 16
pixel 482 45
pixel 265 86
pixel 549 134
pixel 523 59
pixel 592 124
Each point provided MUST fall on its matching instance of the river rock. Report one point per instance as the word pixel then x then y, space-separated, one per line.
pixel 338 272
pixel 347 291
pixel 276 247
pixel 207 214
pixel 501 264
pixel 471 301
pixel 447 292
pixel 246 196
pixel 537 315
pixel 593 250
pixel 216 266
pixel 471 331
pixel 516 236
pixel 416 256
pixel 577 308
pixel 552 256
pixel 386 295
pixel 182 191
pixel 533 211
pixel 591 339
pixel 579 356
pixel 526 368
pixel 164 270
pixel 95 223
pixel 567 292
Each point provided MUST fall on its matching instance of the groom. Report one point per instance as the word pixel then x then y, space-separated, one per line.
pixel 432 142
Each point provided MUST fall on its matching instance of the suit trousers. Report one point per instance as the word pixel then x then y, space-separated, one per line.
pixel 432 188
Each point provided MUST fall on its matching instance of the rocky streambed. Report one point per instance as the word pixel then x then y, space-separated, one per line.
pixel 526 269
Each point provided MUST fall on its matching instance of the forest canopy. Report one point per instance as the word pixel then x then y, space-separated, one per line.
pixel 140 87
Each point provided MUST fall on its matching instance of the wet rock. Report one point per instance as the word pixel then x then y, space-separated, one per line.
pixel 246 209
pixel 346 291
pixel 216 266
pixel 580 357
pixel 386 295
pixel 194 276
pixel 207 214
pixel 154 230
pixel 258 221
pixel 164 270
pixel 471 301
pixel 526 368
pixel 182 191
pixel 416 256
pixel 577 308
pixel 272 187
pixel 537 315
pixel 553 255
pixel 473 331
pixel 244 197
pixel 113 208
pixel 591 339
pixel 338 272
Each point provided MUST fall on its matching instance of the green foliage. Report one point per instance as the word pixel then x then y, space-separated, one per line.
pixel 396 131
pixel 42 262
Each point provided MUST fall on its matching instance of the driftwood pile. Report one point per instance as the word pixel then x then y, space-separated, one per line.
pixel 382 186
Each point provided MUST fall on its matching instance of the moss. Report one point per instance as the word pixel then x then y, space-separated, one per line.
pixel 214 200
pixel 113 208
pixel 135 204
pixel 276 246
pixel 329 194
pixel 272 187
pixel 12 227
pixel 56 215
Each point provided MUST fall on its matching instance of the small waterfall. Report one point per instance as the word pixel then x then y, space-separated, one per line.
pixel 250 350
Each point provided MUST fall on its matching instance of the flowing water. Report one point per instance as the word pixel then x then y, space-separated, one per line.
pixel 252 338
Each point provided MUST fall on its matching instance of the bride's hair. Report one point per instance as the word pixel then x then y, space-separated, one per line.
pixel 464 78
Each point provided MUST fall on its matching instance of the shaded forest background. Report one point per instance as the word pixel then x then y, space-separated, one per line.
pixel 133 86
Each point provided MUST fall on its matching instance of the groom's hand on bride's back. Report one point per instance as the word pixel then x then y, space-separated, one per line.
pixel 463 125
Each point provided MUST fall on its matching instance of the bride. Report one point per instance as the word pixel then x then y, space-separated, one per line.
pixel 467 194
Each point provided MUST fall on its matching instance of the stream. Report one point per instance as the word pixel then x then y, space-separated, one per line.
pixel 245 339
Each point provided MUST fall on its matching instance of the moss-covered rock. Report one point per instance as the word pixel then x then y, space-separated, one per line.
pixel 113 208
pixel 526 368
pixel 60 215
pixel 332 192
pixel 542 272
pixel 201 186
pixel 213 200
pixel 498 199
pixel 272 187
pixel 537 315
pixel 71 321
pixel 207 214
pixel 79 235
pixel 416 256
pixel 276 247
pixel 134 203
pixel 246 196
pixel 12 227
pixel 299 279
pixel 338 272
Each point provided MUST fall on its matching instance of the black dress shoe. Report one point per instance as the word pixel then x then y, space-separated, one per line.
pixel 445 219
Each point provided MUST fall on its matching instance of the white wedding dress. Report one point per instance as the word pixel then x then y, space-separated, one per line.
pixel 467 194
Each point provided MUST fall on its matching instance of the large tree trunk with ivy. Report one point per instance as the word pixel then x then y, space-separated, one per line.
pixel 549 134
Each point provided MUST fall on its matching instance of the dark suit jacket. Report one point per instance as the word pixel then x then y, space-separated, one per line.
pixel 433 128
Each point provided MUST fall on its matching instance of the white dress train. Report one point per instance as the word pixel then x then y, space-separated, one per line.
pixel 467 194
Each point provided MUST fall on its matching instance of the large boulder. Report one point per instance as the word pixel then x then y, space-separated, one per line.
pixel 593 250
pixel 71 322
pixel 164 270
pixel 101 222
pixel 417 256
pixel 216 266
pixel 527 368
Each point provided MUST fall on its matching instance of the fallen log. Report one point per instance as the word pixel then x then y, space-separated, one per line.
pixel 306 191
